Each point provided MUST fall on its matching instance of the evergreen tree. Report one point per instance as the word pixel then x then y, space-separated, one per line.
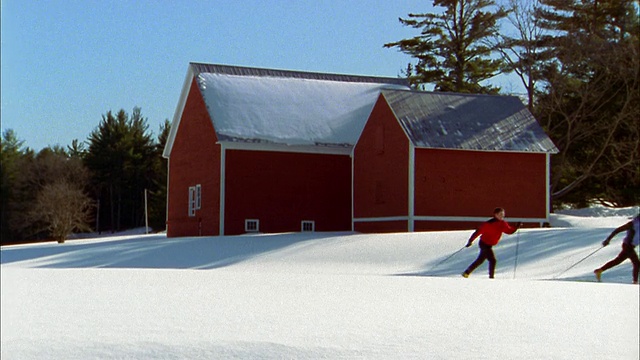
pixel 77 149
pixel 591 99
pixel 454 48
pixel 121 159
pixel 12 156
pixel 158 197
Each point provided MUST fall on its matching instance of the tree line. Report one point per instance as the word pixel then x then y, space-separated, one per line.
pixel 96 185
pixel 579 63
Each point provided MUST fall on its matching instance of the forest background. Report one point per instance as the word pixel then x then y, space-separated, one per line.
pixel 578 61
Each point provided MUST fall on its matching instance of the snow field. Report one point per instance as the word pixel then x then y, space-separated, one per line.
pixel 310 296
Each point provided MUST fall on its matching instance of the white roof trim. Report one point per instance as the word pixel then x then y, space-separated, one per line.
pixel 177 116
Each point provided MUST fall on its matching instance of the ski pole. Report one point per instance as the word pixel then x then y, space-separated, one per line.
pixel 515 266
pixel 445 259
pixel 581 260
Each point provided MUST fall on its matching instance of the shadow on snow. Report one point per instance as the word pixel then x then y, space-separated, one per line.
pixel 154 251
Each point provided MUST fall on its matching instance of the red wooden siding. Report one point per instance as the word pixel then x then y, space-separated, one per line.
pixel 369 227
pixel 449 225
pixel 195 159
pixel 380 168
pixel 281 189
pixel 472 183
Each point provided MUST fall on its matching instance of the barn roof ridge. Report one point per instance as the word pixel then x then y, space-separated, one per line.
pixel 293 74
pixel 451 93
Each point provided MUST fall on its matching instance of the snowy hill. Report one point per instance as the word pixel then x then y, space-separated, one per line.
pixel 323 295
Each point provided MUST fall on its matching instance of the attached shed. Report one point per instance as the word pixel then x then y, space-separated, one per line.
pixel 262 150
pixel 435 161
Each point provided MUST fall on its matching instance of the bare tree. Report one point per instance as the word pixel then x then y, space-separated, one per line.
pixel 522 51
pixel 62 208
pixel 39 187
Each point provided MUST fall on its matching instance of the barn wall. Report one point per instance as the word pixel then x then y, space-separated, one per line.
pixel 281 189
pixel 473 183
pixel 194 159
pixel 380 170
pixel 381 226
pixel 449 225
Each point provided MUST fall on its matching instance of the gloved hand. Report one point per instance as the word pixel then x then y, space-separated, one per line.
pixel 606 242
pixel 469 243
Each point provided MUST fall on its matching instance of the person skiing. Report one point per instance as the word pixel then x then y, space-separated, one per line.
pixel 490 233
pixel 631 240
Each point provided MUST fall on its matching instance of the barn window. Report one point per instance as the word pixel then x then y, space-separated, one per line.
pixel 198 196
pixel 192 201
pixel 251 225
pixel 195 199
pixel 308 226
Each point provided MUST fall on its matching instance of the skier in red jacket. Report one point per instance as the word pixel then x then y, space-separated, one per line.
pixel 490 233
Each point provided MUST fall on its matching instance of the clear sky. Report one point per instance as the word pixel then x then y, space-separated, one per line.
pixel 66 63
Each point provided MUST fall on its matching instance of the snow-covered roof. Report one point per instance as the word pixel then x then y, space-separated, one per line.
pixel 303 110
pixel 468 122
pixel 290 108
pixel 288 111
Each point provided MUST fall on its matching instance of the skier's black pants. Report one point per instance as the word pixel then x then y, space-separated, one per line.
pixel 486 253
pixel 628 252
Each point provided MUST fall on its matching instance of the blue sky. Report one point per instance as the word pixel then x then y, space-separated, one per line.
pixel 65 63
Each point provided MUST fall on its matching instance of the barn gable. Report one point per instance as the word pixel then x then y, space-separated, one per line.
pixel 381 174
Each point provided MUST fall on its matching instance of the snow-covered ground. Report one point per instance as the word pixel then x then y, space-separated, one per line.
pixel 320 295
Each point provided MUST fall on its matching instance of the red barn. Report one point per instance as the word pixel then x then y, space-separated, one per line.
pixel 261 150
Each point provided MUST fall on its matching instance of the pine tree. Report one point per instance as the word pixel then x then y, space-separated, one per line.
pixel 591 100
pixel 158 194
pixel 454 48
pixel 120 157
pixel 12 156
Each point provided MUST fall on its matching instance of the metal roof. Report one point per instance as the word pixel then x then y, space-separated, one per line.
pixel 468 121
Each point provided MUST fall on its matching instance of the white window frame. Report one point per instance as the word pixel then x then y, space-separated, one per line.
pixel 308 226
pixel 192 201
pixel 251 225
pixel 198 196
pixel 195 199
